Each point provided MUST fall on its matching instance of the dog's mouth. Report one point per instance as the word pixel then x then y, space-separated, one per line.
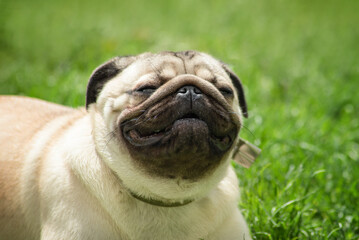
pixel 177 138
pixel 142 135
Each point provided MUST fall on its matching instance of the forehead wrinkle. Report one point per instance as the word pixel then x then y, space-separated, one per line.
pixel 204 72
pixel 211 67
pixel 168 71
pixel 153 66
pixel 179 55
pixel 190 54
pixel 161 66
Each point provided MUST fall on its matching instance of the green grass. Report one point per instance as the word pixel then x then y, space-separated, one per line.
pixel 298 59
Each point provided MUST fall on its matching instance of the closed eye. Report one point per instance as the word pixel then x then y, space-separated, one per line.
pixel 226 91
pixel 146 89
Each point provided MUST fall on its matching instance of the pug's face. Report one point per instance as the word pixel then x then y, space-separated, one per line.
pixel 167 117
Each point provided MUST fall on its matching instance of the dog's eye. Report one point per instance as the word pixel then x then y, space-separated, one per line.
pixel 226 91
pixel 146 89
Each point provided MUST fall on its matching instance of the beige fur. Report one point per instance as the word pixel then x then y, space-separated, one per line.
pixel 62 177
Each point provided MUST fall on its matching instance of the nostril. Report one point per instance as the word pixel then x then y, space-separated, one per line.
pixel 183 90
pixel 196 90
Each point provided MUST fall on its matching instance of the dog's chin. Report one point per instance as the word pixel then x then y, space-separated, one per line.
pixel 184 148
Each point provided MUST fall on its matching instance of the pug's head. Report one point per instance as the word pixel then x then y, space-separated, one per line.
pixel 167 123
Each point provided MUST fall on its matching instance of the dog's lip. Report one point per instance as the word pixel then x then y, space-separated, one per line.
pixel 187 116
pixel 134 137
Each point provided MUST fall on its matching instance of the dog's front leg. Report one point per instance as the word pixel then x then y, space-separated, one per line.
pixel 77 218
pixel 54 230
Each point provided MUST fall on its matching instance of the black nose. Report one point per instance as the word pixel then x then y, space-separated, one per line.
pixel 189 92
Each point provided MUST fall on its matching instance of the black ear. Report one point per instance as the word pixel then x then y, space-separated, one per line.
pixel 239 87
pixel 103 73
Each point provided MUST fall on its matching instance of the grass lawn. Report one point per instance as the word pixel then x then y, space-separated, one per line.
pixel 298 59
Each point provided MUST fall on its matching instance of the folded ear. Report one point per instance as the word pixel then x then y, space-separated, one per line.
pixel 245 153
pixel 103 73
pixel 239 87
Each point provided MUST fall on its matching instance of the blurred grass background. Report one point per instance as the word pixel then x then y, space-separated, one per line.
pixel 298 59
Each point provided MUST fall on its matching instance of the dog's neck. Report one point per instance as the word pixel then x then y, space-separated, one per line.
pixel 151 201
pixel 161 203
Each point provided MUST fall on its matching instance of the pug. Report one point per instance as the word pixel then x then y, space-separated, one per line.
pixel 148 158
